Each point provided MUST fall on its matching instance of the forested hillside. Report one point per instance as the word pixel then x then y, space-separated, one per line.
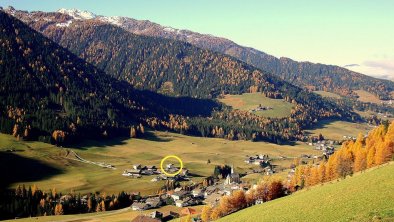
pixel 177 69
pixel 180 69
pixel 304 74
pixel 47 92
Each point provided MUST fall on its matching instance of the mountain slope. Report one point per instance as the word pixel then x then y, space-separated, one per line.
pixel 180 69
pixel 364 197
pixel 304 74
pixel 155 63
pixel 45 88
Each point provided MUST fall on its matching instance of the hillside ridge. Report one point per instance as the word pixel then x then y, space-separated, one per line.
pixel 312 76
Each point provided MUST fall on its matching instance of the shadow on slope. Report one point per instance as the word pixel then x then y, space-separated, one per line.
pixel 22 169
pixel 186 106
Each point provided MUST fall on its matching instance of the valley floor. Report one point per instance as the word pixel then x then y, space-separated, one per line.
pixel 46 166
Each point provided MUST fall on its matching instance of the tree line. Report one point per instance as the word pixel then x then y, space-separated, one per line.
pixel 354 156
pixel 33 202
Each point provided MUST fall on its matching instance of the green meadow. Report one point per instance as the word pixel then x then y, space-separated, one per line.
pixel 249 101
pixel 367 196
pixel 47 166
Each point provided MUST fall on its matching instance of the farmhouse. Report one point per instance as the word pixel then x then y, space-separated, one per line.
pixel 137 166
pixel 179 195
pixel 181 203
pixel 156 215
pixel 154 202
pixel 151 167
pixel 132 173
pixel 140 206
pixel 198 192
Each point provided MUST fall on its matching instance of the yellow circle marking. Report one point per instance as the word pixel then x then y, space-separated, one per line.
pixel 171 174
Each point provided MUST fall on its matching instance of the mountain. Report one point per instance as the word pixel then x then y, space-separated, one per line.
pixel 304 74
pixel 177 69
pixel 46 89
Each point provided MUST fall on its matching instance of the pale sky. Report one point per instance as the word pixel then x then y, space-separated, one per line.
pixel 359 33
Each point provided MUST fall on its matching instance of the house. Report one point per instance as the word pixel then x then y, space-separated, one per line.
pixel 263 157
pixel 265 163
pixel 178 189
pixel 197 192
pixel 137 166
pixel 140 206
pixel 169 166
pixel 156 215
pixel 257 162
pixel 184 172
pixel 259 201
pixel 179 195
pixel 172 215
pixel 132 173
pixel 181 203
pixel 147 172
pixel 151 167
pixel 143 218
pixel 154 202
pixel 155 179
pixel 269 171
pixel 249 160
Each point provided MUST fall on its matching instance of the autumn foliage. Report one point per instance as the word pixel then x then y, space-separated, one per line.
pixel 353 156
pixel 268 189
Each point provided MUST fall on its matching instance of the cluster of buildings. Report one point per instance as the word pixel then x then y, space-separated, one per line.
pixel 263 161
pixel 260 108
pixel 258 160
pixel 157 216
pixel 138 170
pixel 182 197
pixel 326 146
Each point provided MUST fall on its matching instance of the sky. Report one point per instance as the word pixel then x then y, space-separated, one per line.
pixel 357 34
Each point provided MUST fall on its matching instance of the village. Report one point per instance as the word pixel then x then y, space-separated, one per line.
pixel 208 192
pixel 212 189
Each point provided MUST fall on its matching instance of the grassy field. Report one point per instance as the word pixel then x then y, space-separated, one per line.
pixel 364 197
pixel 365 96
pixel 328 94
pixel 248 101
pixel 335 130
pixel 44 165
pixel 123 215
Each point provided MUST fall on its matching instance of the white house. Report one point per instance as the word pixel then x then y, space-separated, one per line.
pixel 181 203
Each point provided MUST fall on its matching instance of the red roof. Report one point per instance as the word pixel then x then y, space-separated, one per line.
pixel 188 211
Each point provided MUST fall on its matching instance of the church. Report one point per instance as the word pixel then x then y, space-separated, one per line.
pixel 232 177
